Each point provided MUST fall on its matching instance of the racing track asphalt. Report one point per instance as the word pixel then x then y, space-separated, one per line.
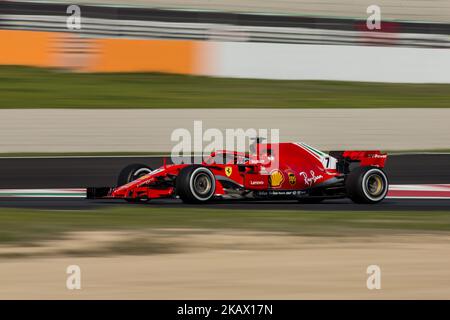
pixel 328 205
pixel 80 172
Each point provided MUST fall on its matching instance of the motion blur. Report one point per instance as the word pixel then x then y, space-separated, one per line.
pixel 103 92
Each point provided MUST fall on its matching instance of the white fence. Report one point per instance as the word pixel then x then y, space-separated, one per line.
pixel 332 62
pixel 63 130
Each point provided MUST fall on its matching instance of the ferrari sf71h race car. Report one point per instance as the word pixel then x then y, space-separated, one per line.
pixel 301 172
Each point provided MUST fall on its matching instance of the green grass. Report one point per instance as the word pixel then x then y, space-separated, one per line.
pixel 22 87
pixel 28 226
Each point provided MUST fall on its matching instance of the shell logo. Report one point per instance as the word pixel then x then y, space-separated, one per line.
pixel 276 178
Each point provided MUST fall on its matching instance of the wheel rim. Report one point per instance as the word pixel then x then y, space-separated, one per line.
pixel 140 173
pixel 374 185
pixel 202 184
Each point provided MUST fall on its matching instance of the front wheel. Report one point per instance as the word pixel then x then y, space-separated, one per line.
pixel 367 185
pixel 131 173
pixel 195 184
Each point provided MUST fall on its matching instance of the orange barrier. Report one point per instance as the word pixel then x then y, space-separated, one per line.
pixel 29 48
pixel 67 50
pixel 127 55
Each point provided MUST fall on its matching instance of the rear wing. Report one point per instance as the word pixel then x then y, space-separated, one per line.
pixel 365 158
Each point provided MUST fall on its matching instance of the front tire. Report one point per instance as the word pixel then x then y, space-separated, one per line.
pixel 196 184
pixel 131 173
pixel 367 185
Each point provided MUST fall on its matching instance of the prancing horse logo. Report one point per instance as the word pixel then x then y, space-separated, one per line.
pixel 228 171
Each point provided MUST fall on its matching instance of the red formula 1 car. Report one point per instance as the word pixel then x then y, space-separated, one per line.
pixel 268 171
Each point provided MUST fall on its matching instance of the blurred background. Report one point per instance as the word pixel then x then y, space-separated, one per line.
pixel 156 54
pixel 245 39
pixel 87 88
pixel 419 10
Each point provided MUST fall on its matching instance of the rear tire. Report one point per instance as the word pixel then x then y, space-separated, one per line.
pixel 367 185
pixel 131 173
pixel 196 184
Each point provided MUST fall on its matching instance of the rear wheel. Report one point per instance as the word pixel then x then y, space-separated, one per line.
pixel 131 173
pixel 367 185
pixel 195 184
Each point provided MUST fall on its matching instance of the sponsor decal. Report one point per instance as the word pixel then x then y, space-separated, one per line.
pixel 256 182
pixel 310 180
pixel 228 171
pixel 276 178
pixel 284 193
pixel 292 178
pixel 380 156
